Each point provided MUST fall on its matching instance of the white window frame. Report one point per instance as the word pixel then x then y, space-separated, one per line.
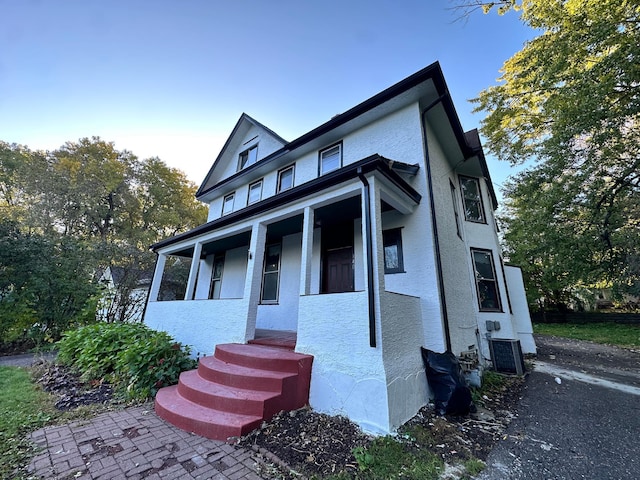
pixel 255 185
pixel 292 169
pixel 321 153
pixel 466 198
pixel 480 280
pixel 251 155
pixel 227 203
pixel 273 272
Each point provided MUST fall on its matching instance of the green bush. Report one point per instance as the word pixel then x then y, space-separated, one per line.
pixel 135 359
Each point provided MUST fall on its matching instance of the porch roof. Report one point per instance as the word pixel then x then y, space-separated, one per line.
pixel 374 162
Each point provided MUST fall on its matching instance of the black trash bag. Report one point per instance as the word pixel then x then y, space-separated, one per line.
pixel 447 382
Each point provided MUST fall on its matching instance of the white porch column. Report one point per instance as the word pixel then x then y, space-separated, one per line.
pixel 307 251
pixel 253 281
pixel 193 272
pixel 157 277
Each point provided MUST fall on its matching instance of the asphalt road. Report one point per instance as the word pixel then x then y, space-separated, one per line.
pixel 579 417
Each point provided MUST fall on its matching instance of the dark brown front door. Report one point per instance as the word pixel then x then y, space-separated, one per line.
pixel 338 270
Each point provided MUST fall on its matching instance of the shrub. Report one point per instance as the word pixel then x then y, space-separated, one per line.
pixel 135 359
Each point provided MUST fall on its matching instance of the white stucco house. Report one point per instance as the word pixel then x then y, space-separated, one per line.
pixel 366 238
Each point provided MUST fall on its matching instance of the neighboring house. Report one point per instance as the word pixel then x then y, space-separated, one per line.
pixel 369 236
pixel 124 293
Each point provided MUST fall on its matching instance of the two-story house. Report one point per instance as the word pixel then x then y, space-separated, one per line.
pixel 360 241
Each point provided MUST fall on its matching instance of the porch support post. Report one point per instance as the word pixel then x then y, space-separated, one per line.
pixel 157 277
pixel 253 281
pixel 307 251
pixel 193 272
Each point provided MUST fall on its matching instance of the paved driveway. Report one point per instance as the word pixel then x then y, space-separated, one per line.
pixel 579 417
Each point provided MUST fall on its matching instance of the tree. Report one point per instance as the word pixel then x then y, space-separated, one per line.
pixel 570 102
pixel 67 215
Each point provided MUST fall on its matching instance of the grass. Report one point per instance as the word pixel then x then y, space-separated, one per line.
pixel 620 334
pixel 23 409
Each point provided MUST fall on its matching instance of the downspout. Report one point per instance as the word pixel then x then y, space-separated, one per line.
pixel 436 241
pixel 369 243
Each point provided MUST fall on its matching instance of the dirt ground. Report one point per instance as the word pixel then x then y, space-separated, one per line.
pixel 314 444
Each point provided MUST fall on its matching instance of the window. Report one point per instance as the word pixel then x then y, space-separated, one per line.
pixel 330 159
pixel 486 281
pixel 248 157
pixel 285 178
pixel 456 214
pixel 255 192
pixel 270 277
pixel 393 261
pixel 216 276
pixel 472 199
pixel 227 206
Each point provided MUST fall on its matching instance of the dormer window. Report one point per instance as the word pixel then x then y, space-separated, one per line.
pixel 248 157
pixel 330 159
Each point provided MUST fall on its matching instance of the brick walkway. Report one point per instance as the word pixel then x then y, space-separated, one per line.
pixel 134 444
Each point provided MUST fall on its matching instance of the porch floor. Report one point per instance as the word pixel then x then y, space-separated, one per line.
pixel 275 338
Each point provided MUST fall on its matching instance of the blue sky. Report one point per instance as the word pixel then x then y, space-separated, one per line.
pixel 171 78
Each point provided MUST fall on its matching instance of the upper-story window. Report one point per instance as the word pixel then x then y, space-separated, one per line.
pixel 472 199
pixel 248 157
pixel 255 192
pixel 227 206
pixel 330 159
pixel 285 178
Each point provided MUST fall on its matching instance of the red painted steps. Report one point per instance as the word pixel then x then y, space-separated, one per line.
pixel 232 392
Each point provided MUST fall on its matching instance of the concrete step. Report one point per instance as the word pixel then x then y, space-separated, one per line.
pixel 204 421
pixel 226 398
pixel 261 357
pixel 232 392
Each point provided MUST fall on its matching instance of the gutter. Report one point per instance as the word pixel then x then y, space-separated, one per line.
pixel 366 217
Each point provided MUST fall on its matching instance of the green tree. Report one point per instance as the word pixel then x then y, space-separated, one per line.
pixel 570 102
pixel 68 214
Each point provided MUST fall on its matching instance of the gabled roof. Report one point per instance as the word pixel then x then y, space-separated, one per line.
pixel 244 119
pixel 426 86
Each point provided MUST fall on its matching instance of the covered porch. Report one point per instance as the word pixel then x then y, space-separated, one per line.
pixel 311 269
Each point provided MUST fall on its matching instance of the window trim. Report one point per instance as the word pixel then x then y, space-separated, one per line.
pixel 242 166
pixel 320 152
pixel 231 196
pixel 217 257
pixel 478 279
pixel 258 182
pixel 276 272
pixel 291 167
pixel 456 212
pixel 464 200
pixel 393 237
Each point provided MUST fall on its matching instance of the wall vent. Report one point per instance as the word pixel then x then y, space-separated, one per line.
pixel 507 356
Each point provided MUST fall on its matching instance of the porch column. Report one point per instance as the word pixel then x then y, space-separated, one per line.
pixel 307 251
pixel 161 260
pixel 193 272
pixel 253 281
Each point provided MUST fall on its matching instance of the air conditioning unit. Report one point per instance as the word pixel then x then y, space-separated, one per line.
pixel 506 356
